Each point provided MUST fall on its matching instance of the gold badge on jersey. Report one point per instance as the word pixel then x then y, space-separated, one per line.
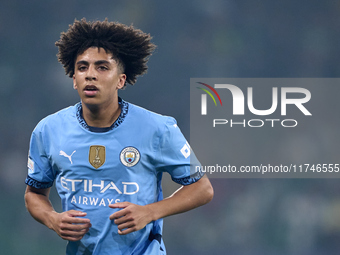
pixel 97 156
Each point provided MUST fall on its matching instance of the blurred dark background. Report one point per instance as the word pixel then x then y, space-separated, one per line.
pixel 217 38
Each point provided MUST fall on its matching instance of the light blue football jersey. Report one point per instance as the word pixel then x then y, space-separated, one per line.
pixel 95 167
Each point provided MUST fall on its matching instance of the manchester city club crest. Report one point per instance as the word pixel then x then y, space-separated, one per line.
pixel 129 156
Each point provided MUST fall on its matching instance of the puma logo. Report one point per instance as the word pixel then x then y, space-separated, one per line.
pixel 62 153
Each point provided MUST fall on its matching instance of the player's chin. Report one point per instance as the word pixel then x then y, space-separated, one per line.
pixel 90 98
pixel 91 101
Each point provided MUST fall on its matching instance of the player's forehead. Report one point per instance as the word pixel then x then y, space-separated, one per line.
pixel 95 54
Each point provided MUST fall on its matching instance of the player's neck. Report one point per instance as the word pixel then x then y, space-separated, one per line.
pixel 101 115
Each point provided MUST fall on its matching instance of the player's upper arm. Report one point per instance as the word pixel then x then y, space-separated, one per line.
pixel 44 192
pixel 176 156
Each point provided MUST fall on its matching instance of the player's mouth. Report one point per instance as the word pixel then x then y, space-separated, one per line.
pixel 91 90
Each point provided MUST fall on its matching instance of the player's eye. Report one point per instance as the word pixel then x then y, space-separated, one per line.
pixel 82 68
pixel 102 68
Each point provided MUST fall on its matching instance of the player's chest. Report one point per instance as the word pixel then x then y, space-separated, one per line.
pixel 106 155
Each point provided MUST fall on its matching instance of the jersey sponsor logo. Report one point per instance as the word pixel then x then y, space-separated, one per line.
pixel 93 201
pixel 97 156
pixel 126 188
pixel 62 153
pixel 90 189
pixel 129 156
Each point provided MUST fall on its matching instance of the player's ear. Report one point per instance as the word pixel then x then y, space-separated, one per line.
pixel 74 82
pixel 121 81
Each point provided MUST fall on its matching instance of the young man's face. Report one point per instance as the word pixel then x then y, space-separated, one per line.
pixel 97 77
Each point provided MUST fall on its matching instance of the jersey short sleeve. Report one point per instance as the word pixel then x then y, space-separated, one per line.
pixel 40 174
pixel 176 156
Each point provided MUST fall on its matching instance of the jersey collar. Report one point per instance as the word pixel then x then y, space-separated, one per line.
pixel 124 110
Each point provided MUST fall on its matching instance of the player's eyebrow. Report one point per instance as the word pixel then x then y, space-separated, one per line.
pixel 82 62
pixel 97 63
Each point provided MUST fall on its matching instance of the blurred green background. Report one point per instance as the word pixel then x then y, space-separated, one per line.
pixel 217 38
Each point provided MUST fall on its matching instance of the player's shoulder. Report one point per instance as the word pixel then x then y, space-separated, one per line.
pixel 151 118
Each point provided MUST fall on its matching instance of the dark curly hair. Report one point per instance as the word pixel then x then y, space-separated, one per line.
pixel 130 47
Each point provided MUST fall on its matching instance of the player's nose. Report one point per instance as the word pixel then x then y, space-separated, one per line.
pixel 91 73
